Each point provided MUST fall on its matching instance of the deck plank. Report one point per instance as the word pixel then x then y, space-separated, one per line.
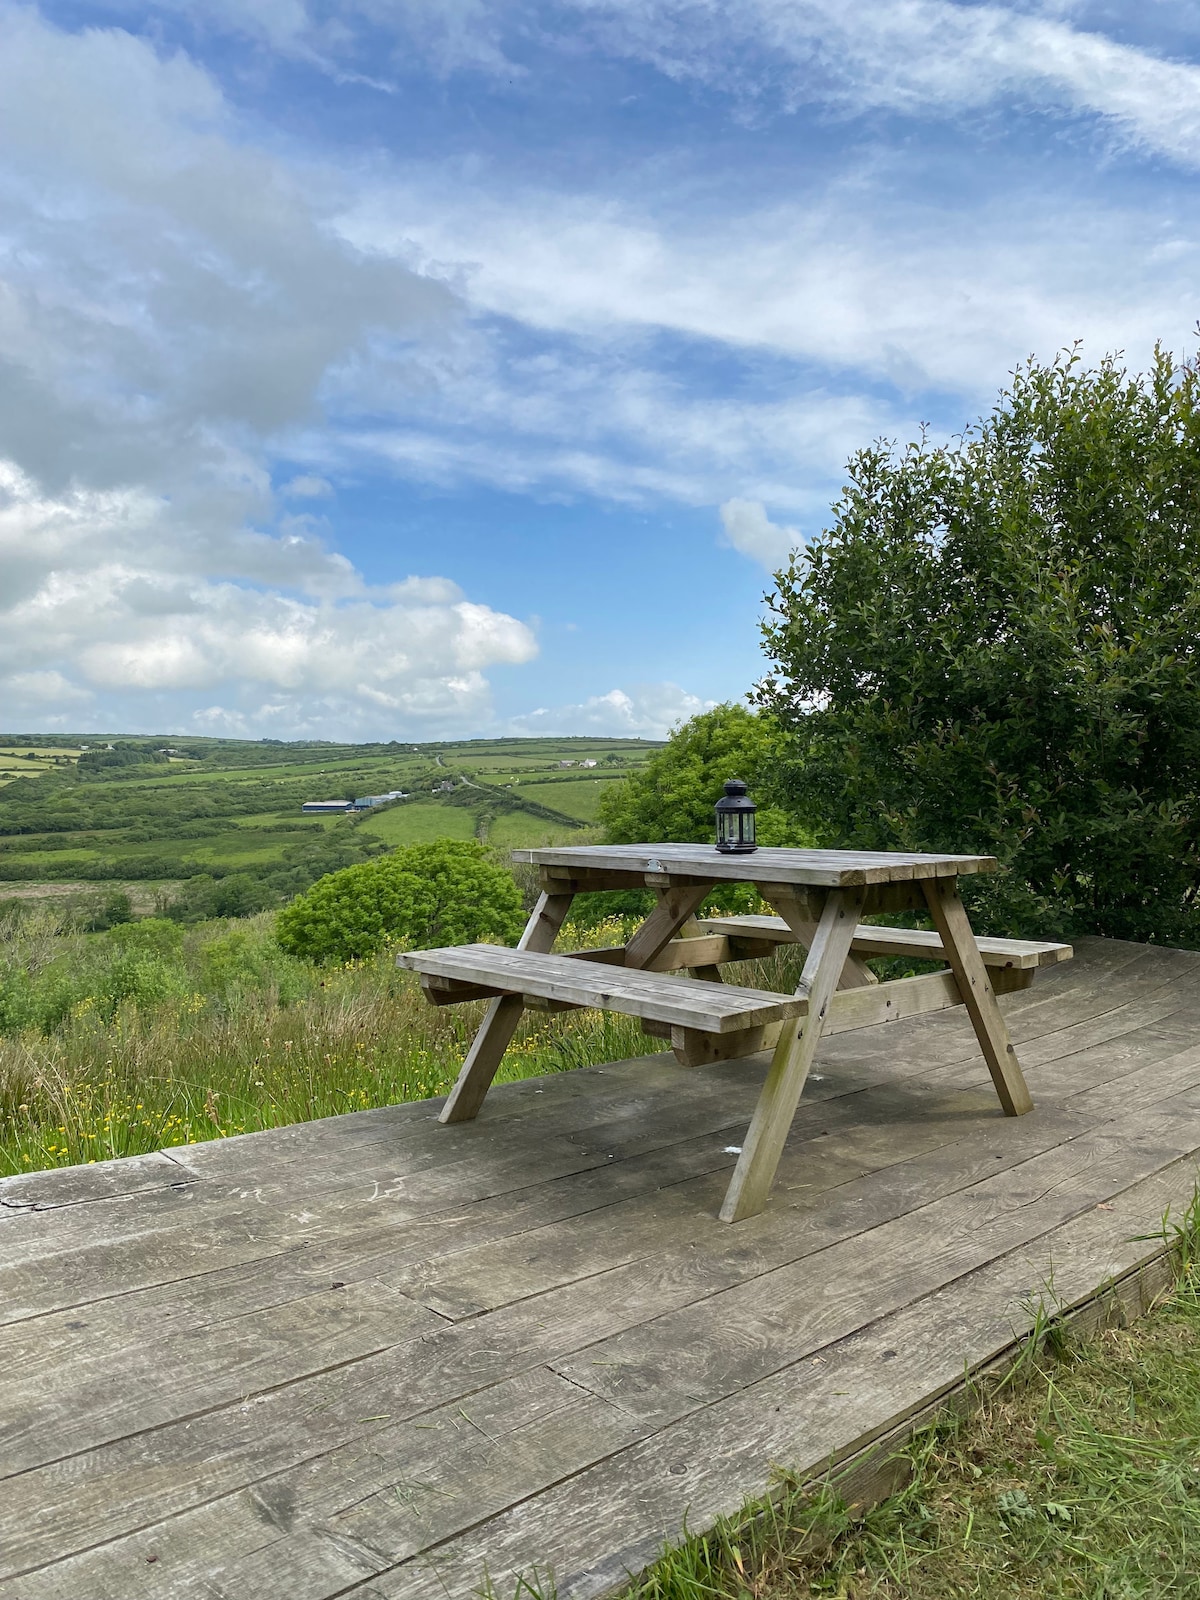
pixel 818 1410
pixel 179 1377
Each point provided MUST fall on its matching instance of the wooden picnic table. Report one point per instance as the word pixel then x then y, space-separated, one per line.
pixel 820 897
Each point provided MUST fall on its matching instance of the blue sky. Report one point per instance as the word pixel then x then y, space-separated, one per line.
pixel 409 369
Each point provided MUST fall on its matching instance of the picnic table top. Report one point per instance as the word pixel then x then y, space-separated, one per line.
pixel 828 868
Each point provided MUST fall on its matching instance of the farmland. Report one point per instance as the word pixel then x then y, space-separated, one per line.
pixel 149 813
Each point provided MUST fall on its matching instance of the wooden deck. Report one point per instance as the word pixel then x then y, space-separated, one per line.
pixel 373 1356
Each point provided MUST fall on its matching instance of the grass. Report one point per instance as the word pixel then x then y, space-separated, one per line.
pixel 420 823
pixel 149 1035
pixel 176 1037
pixel 578 797
pixel 1075 1477
pixel 31 760
pixel 516 830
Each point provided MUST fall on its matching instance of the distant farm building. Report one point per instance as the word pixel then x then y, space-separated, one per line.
pixel 566 763
pixel 321 808
pixel 366 801
pixel 587 763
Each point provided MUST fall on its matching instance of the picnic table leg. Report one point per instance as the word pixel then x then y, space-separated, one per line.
pixel 502 1015
pixel 674 908
pixel 755 1171
pixel 856 974
pixel 954 928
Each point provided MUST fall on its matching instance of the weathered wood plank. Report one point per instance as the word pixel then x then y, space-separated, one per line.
pixel 792 1058
pixel 129 1255
pixel 195 1541
pixel 116 1341
pixel 122 1252
pixel 923 944
pixel 665 997
pixel 830 1180
pixel 802 918
pixel 831 868
pixel 950 919
pixel 679 955
pixel 674 908
pixel 359 1508
pixel 850 1010
pixel 550 1272
pixel 502 1016
pixel 732 1339
pixel 901 1124
pixel 290 1425
pixel 591 1531
pixel 102 1180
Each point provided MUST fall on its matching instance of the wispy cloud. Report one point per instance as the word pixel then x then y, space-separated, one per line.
pixel 913 57
pixel 814 224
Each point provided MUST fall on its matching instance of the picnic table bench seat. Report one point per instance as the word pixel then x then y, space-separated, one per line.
pixel 582 980
pixel 922 944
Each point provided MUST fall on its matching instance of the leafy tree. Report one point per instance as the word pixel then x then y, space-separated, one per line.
pixel 238 894
pixel 671 798
pixel 994 649
pixel 121 755
pixel 106 910
pixel 448 892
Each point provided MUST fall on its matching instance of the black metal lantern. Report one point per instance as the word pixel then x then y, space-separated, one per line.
pixel 735 819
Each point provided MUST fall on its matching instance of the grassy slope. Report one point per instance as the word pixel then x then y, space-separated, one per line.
pixel 518 830
pixel 418 822
pixel 253 792
pixel 167 1037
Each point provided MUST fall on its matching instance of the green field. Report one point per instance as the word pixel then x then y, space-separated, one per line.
pixel 128 814
pixel 579 796
pixel 26 761
pixel 416 823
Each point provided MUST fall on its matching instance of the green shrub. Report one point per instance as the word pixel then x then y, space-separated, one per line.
pixel 240 962
pixel 203 897
pixel 137 977
pixel 448 892
pixel 149 935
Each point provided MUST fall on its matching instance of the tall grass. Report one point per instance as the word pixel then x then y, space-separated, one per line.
pixel 147 1037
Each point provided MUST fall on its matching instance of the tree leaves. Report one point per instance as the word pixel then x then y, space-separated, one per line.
pixel 994 648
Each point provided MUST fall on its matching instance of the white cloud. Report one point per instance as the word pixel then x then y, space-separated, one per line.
pixel 186 301
pixel 858 275
pixel 910 56
pixel 94 610
pixel 174 302
pixel 913 56
pixel 307 487
pixel 644 711
pixel 750 530
pixel 446 35
pixel 173 296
